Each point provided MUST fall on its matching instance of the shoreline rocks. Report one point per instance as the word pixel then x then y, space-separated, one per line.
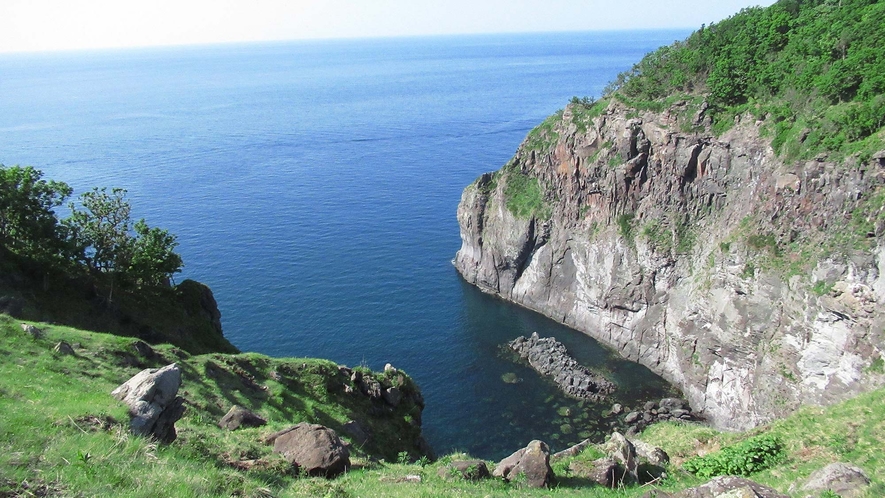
pixel 549 357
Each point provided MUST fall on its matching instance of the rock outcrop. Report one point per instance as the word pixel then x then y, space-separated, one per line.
pixel 549 357
pixel 705 258
pixel 154 404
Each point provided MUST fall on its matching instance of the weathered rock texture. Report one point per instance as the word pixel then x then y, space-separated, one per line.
pixel 722 487
pixel 154 405
pixel 705 258
pixel 312 448
pixel 842 479
pixel 531 462
pixel 550 357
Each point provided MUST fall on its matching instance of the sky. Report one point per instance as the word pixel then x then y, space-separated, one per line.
pixel 50 25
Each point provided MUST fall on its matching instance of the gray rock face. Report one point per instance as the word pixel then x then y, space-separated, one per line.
pixel 313 448
pixel 657 245
pixel 845 480
pixel 238 417
pixel 550 357
pixel 154 405
pixel 533 462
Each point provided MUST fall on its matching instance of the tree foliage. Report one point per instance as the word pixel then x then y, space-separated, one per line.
pixel 99 237
pixel 28 224
pixel 813 64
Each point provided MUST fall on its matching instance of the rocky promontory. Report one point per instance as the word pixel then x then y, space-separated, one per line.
pixel 550 357
pixel 704 257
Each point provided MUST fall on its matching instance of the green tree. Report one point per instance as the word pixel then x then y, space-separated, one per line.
pixel 153 260
pixel 28 224
pixel 103 233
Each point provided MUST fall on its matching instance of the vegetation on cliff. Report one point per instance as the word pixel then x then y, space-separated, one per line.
pixel 814 68
pixel 97 268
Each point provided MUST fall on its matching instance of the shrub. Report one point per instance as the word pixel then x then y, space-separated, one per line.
pixel 749 456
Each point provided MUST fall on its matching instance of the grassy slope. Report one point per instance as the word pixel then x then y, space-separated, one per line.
pixel 56 434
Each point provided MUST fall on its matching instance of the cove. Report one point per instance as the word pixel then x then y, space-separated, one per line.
pixel 313 187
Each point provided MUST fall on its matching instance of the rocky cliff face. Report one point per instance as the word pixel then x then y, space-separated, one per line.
pixel 752 284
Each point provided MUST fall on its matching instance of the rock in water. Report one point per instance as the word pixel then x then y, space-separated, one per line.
pixel 533 462
pixel 314 448
pixel 549 357
pixel 238 417
pixel 154 405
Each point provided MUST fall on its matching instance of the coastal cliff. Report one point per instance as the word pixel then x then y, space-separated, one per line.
pixel 754 284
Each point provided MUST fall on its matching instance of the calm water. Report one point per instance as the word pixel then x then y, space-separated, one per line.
pixel 313 186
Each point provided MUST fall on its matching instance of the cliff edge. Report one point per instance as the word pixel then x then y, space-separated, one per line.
pixel 753 284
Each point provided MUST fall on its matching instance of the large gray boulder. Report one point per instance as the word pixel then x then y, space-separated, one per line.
pixel 315 449
pixel 533 462
pixel 154 405
pixel 845 480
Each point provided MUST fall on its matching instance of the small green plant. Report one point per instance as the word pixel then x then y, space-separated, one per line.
pixel 877 366
pixel 424 461
pixel 403 458
pixel 749 456
pixel 821 287
pixel 625 227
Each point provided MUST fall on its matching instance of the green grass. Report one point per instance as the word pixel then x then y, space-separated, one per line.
pixel 61 431
pixel 525 197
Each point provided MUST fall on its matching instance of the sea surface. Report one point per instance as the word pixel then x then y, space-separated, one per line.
pixel 313 187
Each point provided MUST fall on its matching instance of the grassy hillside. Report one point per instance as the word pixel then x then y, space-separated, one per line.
pixel 62 433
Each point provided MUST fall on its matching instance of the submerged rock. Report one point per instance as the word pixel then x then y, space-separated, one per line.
pixel 550 357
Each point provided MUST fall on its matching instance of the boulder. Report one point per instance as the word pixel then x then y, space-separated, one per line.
pixel 845 480
pixel 604 471
pixel 315 449
pixel 355 430
pixel 622 451
pixel 471 470
pixel 32 331
pixel 238 417
pixel 64 349
pixel 533 462
pixel 154 405
pixel 650 453
pixel 572 450
pixel 729 487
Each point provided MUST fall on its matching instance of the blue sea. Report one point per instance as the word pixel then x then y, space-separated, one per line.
pixel 313 187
